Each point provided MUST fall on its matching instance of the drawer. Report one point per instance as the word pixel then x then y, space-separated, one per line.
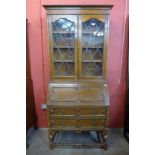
pixel 62 111
pixel 77 110
pixel 77 122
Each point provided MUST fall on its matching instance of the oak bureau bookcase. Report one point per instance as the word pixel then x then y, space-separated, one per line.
pixel 78 98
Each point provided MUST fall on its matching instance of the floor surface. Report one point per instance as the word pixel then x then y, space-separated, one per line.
pixel 38 143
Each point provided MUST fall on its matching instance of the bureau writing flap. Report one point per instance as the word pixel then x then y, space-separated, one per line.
pixel 91 94
pixel 63 94
pixel 78 92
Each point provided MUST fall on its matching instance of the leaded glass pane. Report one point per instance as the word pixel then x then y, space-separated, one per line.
pixel 63 54
pixel 92 54
pixel 92 68
pixel 92 47
pixel 63 25
pixel 63 38
pixel 64 68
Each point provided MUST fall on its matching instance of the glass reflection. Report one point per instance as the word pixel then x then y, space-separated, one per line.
pixel 63 25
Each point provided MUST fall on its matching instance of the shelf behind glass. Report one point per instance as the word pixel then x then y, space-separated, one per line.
pixel 91 68
pixel 92 46
pixel 64 68
pixel 56 46
pixel 91 60
pixel 64 61
pixel 62 32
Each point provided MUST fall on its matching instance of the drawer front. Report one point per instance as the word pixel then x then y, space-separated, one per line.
pixel 78 111
pixel 77 122
pixel 61 111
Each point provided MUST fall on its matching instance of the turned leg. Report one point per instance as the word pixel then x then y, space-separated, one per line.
pixel 105 138
pixel 98 136
pixel 51 139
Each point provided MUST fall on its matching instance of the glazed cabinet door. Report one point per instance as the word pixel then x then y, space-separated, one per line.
pixel 62 41
pixel 91 46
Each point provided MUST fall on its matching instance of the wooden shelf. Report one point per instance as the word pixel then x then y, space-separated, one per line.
pixel 64 61
pixel 91 60
pixel 58 32
pixel 63 46
pixel 92 46
pixel 91 33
